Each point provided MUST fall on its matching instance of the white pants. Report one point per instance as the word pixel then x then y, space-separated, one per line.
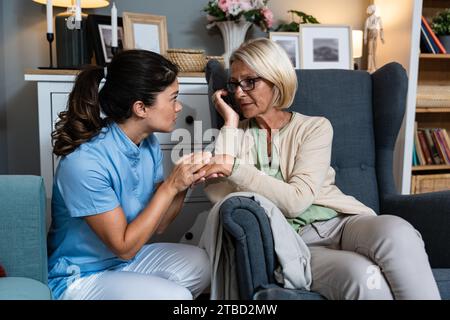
pixel 160 271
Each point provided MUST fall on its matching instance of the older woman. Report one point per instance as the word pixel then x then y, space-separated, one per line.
pixel 285 157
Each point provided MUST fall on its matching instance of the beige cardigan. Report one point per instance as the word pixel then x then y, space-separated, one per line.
pixel 304 146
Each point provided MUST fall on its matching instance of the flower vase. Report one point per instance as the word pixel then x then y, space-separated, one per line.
pixel 233 34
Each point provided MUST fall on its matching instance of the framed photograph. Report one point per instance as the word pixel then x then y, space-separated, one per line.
pixel 290 41
pixel 326 46
pixel 100 37
pixel 145 31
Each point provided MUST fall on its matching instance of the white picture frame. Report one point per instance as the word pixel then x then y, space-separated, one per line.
pixel 290 42
pixel 145 31
pixel 325 46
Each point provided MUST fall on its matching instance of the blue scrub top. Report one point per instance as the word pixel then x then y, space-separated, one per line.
pixel 106 172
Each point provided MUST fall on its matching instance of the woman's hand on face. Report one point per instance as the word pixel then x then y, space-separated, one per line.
pixel 189 170
pixel 230 117
pixel 220 166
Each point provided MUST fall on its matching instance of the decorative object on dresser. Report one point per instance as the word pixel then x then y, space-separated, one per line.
pixel 290 41
pixel 294 26
pixel 373 29
pixel 100 35
pixel 145 31
pixel 325 46
pixel 234 18
pixel 188 60
pixel 72 44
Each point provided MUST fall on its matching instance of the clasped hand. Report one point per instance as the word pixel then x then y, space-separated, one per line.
pixel 198 167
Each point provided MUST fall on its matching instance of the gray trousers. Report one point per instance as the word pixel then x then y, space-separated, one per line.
pixel 369 257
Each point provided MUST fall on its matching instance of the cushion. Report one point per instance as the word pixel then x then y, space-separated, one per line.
pixel 12 288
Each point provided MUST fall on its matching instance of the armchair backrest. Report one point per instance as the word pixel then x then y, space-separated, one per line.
pixel 23 244
pixel 366 111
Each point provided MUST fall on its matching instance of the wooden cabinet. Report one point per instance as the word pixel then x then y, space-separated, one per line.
pixel 434 70
pixel 192 133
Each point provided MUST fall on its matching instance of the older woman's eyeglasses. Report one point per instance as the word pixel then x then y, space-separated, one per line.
pixel 246 84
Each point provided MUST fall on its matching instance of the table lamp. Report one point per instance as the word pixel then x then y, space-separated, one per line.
pixel 72 45
pixel 357 39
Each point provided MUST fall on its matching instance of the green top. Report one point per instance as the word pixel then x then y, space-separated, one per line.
pixel 272 168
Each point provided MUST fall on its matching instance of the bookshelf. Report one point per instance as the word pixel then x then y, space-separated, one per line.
pixel 434 70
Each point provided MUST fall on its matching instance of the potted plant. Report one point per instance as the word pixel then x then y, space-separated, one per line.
pixel 294 26
pixel 441 26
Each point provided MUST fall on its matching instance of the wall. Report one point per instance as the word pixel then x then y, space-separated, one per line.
pixel 3 137
pixel 25 47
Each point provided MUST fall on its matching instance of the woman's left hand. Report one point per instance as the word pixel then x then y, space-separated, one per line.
pixel 220 166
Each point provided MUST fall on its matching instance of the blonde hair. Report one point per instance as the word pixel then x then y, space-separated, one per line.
pixel 272 63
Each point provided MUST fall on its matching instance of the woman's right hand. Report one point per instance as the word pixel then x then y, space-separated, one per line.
pixel 188 171
pixel 230 117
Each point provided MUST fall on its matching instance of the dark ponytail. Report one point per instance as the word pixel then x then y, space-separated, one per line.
pixel 134 75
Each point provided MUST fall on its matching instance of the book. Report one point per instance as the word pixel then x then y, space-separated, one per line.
pixel 439 146
pixel 446 139
pixel 424 146
pixel 433 36
pixel 432 146
pixel 415 157
pixel 426 41
pixel 419 151
pixel 444 143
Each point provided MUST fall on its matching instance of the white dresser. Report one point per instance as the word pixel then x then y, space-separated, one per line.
pixel 191 134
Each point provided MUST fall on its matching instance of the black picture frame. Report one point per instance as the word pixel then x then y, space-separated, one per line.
pixel 102 51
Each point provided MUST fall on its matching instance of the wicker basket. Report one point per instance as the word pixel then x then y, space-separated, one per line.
pixel 430 183
pixel 187 60
pixel 433 96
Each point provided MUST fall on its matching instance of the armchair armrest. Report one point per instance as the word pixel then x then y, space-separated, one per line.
pixel 429 213
pixel 246 222
pixel 23 240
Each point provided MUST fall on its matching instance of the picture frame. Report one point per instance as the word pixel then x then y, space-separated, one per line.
pixel 290 41
pixel 145 31
pixel 325 46
pixel 99 27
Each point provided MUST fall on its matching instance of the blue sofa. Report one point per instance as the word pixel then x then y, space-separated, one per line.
pixel 23 246
pixel 366 111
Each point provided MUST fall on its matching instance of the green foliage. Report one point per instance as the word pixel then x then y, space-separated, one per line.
pixel 294 26
pixel 441 23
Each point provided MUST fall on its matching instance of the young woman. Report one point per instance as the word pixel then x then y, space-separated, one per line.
pixel 285 157
pixel 109 196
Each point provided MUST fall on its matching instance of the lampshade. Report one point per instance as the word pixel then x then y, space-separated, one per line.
pixel 88 4
pixel 357 43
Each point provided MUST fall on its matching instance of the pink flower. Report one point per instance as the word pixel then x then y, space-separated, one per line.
pixel 268 16
pixel 224 5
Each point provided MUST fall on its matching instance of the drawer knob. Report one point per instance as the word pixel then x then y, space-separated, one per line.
pixel 188 236
pixel 189 119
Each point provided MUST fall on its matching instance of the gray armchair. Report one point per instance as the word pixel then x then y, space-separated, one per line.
pixel 366 111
